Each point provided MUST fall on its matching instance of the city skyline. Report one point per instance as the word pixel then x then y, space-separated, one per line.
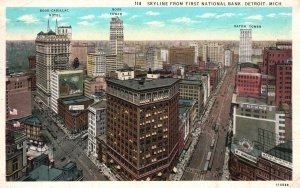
pixel 185 23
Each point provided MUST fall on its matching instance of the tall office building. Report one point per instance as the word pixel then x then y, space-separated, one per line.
pixel 228 57
pixel 142 126
pixel 52 53
pixel 116 41
pixel 213 52
pixel 154 61
pixel 182 55
pixel 96 64
pixel 245 46
pixel 195 45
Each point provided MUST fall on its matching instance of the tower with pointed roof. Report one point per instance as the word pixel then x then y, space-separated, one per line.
pixel 52 53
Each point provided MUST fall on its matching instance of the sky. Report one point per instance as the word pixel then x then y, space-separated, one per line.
pixel 163 23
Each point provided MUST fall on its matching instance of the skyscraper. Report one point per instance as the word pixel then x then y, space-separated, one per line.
pixel 116 41
pixel 52 53
pixel 245 46
pixel 213 52
pixel 96 64
pixel 142 126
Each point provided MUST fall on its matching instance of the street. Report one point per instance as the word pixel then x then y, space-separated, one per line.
pixel 215 127
pixel 65 149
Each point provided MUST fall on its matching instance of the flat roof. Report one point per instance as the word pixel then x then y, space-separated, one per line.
pixel 44 173
pixel 190 102
pixel 183 109
pixel 69 165
pixel 254 152
pixel 190 82
pixel 74 100
pixel 283 151
pixel 251 100
pixel 134 84
pixel 99 104
pixel 33 120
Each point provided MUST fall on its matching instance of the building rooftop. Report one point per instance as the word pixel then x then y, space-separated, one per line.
pixel 140 85
pixel 69 165
pixel 33 120
pixel 44 173
pixel 253 151
pixel 183 109
pixel 47 33
pixel 283 151
pixel 248 65
pixel 74 100
pixel 251 100
pixel 187 102
pixel 99 104
pixel 191 82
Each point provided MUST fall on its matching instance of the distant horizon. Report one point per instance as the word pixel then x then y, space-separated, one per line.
pixel 159 23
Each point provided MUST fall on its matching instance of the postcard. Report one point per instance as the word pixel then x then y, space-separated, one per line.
pixel 197 92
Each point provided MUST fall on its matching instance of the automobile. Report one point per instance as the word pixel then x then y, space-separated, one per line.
pixel 62 159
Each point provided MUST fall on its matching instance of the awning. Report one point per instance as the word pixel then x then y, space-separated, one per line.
pixel 175 169
pixel 118 167
pixel 148 179
pixel 159 174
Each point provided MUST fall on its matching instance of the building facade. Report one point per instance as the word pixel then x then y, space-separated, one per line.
pixel 74 112
pixel 273 56
pixel 18 96
pixel 96 64
pixel 245 46
pixel 147 150
pixel 253 113
pixel 252 164
pixel 96 124
pixel 154 61
pixel 248 84
pixel 228 58
pixel 94 85
pixel 116 40
pixel 283 87
pixel 16 160
pixel 213 52
pixel 193 90
pixel 65 83
pixel 182 55
pixel 52 53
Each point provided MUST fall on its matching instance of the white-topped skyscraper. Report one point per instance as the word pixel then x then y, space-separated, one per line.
pixel 245 46
pixel 52 53
pixel 116 41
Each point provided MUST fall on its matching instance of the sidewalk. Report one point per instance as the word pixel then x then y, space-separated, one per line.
pixel 102 167
pixel 196 134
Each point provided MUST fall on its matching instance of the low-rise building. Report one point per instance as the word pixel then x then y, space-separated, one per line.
pixel 16 160
pixel 74 112
pixel 69 172
pixel 33 128
pixel 250 163
pixel 251 114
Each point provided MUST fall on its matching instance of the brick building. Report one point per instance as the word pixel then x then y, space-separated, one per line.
pixel 32 62
pixel 18 96
pixel 142 127
pixel 182 55
pixel 74 112
pixel 248 84
pixel 283 88
pixel 274 55
pixel 254 164
pixel 16 161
